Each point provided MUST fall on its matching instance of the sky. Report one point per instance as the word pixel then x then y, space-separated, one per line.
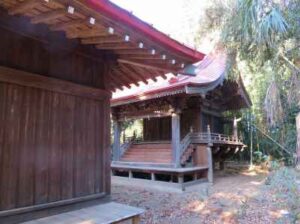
pixel 178 18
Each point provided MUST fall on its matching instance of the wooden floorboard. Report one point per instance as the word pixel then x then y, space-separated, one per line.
pixel 100 214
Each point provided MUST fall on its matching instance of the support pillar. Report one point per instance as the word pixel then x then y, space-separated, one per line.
pixel 235 128
pixel 176 139
pixel 116 144
pixel 153 176
pixel 210 164
pixel 209 156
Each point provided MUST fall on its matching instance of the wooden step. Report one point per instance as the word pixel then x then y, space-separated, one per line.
pixel 147 160
pixel 148 153
pixel 152 146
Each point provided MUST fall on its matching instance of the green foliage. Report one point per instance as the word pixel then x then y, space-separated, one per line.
pixel 259 157
pixel 261 38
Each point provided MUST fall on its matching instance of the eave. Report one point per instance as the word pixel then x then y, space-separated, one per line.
pixel 140 51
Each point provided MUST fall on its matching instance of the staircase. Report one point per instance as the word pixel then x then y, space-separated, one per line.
pixel 148 153
pixel 186 154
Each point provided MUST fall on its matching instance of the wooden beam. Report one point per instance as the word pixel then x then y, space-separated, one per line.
pixel 114 46
pixel 22 78
pixel 119 80
pixel 132 74
pixel 48 16
pixel 65 25
pixel 24 6
pixel 127 80
pixel 133 51
pixel 142 56
pixel 146 64
pixel 131 69
pixel 117 83
pixel 102 40
pixel 85 33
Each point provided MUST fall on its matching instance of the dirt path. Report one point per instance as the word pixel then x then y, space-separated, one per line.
pixel 234 198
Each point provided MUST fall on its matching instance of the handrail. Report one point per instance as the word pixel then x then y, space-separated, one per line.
pixel 207 138
pixel 126 145
pixel 185 142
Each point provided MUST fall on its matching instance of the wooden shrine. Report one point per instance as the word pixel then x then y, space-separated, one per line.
pixel 183 124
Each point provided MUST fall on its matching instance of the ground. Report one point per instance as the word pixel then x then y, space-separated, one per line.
pixel 236 197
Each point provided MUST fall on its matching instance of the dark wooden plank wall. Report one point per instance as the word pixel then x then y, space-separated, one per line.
pixel 51 146
pixel 54 145
pixel 157 129
pixel 215 123
pixel 190 118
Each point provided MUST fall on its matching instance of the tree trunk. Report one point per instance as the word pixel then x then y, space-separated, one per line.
pixel 298 137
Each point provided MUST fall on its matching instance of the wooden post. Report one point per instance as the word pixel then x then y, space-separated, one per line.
pixel 209 156
pixel 116 144
pixel 298 139
pixel 136 220
pixel 176 139
pixel 210 165
pixel 235 129
pixel 153 176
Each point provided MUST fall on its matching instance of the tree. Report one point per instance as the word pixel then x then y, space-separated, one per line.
pixel 261 38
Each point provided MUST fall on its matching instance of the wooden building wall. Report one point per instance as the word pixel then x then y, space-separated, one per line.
pixel 159 129
pixel 54 118
pixel 215 123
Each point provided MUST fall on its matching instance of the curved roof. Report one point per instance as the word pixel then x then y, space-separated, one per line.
pixel 210 72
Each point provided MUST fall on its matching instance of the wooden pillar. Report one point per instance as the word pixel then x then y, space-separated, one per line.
pixel 210 164
pixel 209 156
pixel 176 139
pixel 153 176
pixel 116 144
pixel 298 138
pixel 235 128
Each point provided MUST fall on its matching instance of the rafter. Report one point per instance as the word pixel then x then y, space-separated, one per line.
pixel 114 46
pixel 143 56
pixel 102 40
pixel 134 79
pixel 133 51
pixel 24 6
pixel 85 33
pixel 48 16
pixel 146 64
pixel 117 81
pixel 123 78
pixel 131 69
pixel 65 25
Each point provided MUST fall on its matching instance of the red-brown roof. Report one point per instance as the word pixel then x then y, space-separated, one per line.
pixel 209 73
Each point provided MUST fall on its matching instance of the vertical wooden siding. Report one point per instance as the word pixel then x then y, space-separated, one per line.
pixel 52 146
pixel 157 129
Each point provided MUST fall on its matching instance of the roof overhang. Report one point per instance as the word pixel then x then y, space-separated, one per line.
pixel 140 51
